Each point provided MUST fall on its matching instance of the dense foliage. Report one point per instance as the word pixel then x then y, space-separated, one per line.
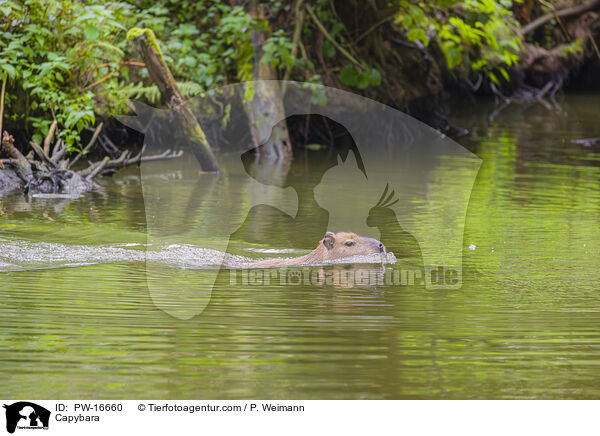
pixel 69 60
pixel 478 35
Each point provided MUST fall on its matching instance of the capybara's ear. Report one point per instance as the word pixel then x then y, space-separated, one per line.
pixel 329 240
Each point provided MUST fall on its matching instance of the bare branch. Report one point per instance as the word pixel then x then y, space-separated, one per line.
pixel 8 162
pixel 164 156
pixel 49 136
pixel 38 150
pixel 88 147
pixel 326 34
pixel 576 10
pixel 123 161
pixel 98 168
pixel 57 155
pixel 57 147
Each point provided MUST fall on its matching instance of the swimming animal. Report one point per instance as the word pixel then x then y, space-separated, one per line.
pixel 333 246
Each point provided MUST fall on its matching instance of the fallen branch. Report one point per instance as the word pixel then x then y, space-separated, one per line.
pixel 575 10
pixel 38 150
pixel 57 155
pixel 557 18
pixel 19 162
pixel 164 156
pixel 98 168
pixel 49 136
pixel 107 145
pixel 57 147
pixel 137 159
pixel 87 147
pixel 145 42
pixel 123 161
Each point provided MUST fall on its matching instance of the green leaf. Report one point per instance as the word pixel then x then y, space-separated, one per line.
pixel 91 33
pixel 416 34
pixel 10 70
pixel 453 55
pixel 363 80
pixel 417 13
pixel 266 58
pixel 348 76
pixel 375 77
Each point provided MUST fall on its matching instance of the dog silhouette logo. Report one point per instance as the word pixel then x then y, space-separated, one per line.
pixel 26 415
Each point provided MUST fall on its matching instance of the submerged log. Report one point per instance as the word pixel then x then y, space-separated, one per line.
pixel 146 44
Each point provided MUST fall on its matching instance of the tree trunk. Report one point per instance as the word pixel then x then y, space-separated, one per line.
pixel 145 42
pixel 264 108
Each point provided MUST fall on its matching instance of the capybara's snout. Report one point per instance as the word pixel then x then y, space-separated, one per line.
pixel 378 245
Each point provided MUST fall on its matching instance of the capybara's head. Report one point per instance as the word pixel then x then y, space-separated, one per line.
pixel 346 244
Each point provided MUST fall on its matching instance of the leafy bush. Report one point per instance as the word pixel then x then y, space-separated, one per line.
pixel 359 78
pixel 69 59
pixel 473 34
pixel 50 50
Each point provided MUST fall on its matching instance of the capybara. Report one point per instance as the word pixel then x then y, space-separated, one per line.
pixel 331 247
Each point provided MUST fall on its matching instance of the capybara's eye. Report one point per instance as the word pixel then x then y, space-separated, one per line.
pixel 349 243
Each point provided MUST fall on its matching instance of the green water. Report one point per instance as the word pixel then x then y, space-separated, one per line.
pixel 525 323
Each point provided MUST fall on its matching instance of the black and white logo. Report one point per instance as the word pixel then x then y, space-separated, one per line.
pixel 26 415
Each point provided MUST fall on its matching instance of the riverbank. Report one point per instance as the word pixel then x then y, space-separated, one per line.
pixel 420 59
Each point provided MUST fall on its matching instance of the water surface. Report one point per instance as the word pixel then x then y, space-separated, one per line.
pixel 77 319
